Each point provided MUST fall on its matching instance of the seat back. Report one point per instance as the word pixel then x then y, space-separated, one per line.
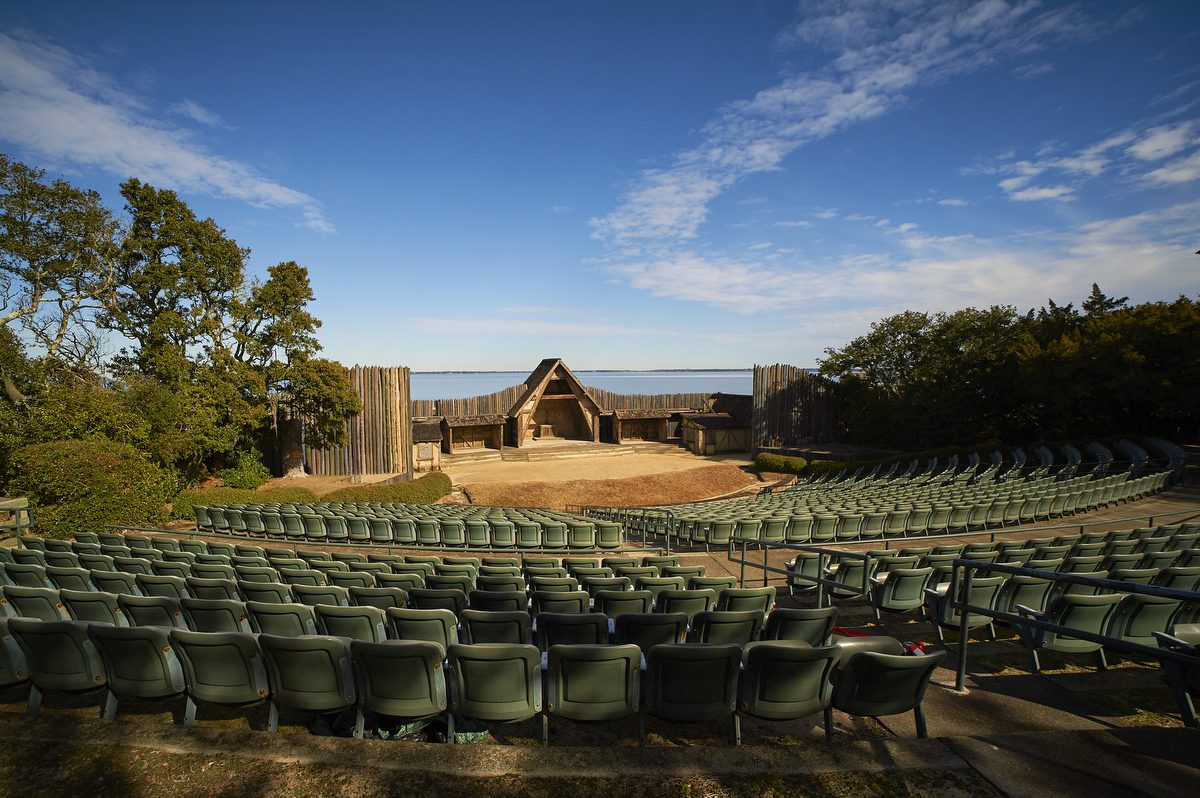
pixel 761 599
pixel 436 626
pixel 400 679
pixel 138 661
pixel 222 667
pixel 615 603
pixel 785 680
pixel 42 603
pixel 813 626
pixel 727 626
pixel 646 630
pixel 59 655
pixel 574 601
pixel 281 620
pixel 152 611
pixel 556 628
pixel 356 623
pixel 873 684
pixel 215 615
pixel 311 672
pixel 94 606
pixel 687 683
pixel 497 682
pixel 593 682
pixel 381 597
pixel 490 626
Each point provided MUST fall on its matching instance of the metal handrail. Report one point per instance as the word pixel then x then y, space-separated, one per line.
pixel 966 609
pixel 824 554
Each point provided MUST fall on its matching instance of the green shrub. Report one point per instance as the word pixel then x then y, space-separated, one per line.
pixel 183 503
pixel 423 490
pixel 248 474
pixel 80 486
pixel 779 464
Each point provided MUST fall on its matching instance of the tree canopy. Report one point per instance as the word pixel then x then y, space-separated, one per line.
pixel 206 355
pixel 919 380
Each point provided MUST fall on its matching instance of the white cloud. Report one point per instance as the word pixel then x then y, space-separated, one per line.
pixel 1062 193
pixel 826 213
pixel 1027 71
pixel 53 104
pixel 954 202
pixel 803 223
pixel 1163 141
pixel 1181 170
pixel 197 113
pixel 883 50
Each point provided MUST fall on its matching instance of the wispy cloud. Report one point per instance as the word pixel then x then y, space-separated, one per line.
pixel 197 113
pixel 954 202
pixel 54 104
pixel 1027 71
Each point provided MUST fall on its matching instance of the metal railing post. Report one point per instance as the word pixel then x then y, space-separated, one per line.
pixel 742 574
pixel 822 560
pixel 766 573
pixel 964 629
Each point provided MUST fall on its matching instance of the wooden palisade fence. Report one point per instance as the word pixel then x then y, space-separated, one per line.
pixel 793 407
pixel 379 439
pixel 501 402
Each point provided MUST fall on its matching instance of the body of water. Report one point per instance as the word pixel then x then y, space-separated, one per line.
pixel 460 385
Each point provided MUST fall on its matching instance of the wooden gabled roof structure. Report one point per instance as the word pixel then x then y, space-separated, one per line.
pixel 554 399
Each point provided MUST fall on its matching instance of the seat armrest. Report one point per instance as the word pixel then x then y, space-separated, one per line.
pixel 1029 612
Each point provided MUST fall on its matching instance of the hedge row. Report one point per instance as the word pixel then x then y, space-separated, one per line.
pixel 779 464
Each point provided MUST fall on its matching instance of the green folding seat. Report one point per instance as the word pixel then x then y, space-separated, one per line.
pixel 213 571
pixel 528 534
pixel 302 576
pixel 212 588
pixel 500 562
pixel 1179 578
pixel 403 680
pixel 559 572
pixel 689 602
pixel 581 535
pixel 498 600
pixel 97 562
pixel 557 628
pixel 42 603
pixel 554 584
pixel 591 683
pixel 747 598
pixel 738 628
pixel 451 532
pixel 559 601
pixel 939 606
pixel 1080 612
pixel 594 584
pixel 162 543
pixel 13 668
pixel 151 610
pixel 803 571
pixel 433 599
pixel 380 530
pixel 356 623
pixel 1160 559
pixel 646 630
pixel 93 606
pixel 461 582
pixel 249 550
pixel 349 579
pixel 870 684
pixel 266 592
pixel 381 597
pixel 59 656
pixel 1022 590
pixel 656 585
pixel 134 565
pixel 115 582
pixel 215 615
pixel 685 571
pixel 297 563
pixel 403 581
pixel 219 550
pixel 496 683
pixel 69 578
pixel 220 668
pixel 313 595
pixel 315 530
pixel 422 569
pixel 501 570
pixel 571 563
pixel 660 561
pixel 899 590
pixel 357 529
pixel 813 626
pixel 1137 617
pixel 609 535
pixel 155 585
pixel 139 662
pixel 438 626
pixel 404 532
pixel 784 680
pixel 554 535
pixel 61 559
pixel 488 626
pixel 281 619
pixel 165 567
pixel 35 557
pixel 86 537
pixel 386 559
pixel 502 534
pixel 615 603
pixel 25 575
pixel 311 673
pixel 690 684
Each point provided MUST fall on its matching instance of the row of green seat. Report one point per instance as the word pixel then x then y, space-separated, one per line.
pixel 490 683
pixel 433 527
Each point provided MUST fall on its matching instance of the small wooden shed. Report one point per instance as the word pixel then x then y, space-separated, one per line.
pixel 427 445
pixel 461 433
pixel 641 425
pixel 715 433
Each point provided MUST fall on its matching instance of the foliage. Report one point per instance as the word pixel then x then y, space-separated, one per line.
pixel 84 485
pixel 779 464
pixel 181 506
pixel 211 355
pixel 919 380
pixel 248 473
pixel 425 489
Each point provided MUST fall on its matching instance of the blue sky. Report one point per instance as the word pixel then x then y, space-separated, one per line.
pixel 638 184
